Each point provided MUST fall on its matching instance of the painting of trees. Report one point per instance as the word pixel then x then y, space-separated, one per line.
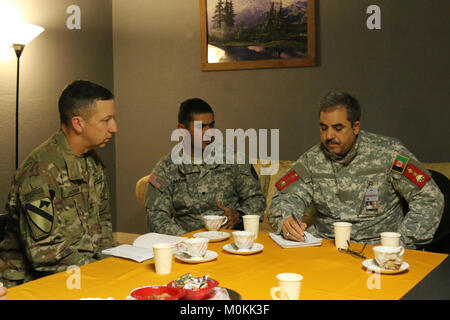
pixel 253 30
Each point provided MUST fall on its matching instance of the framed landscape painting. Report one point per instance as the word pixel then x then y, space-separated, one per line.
pixel 252 34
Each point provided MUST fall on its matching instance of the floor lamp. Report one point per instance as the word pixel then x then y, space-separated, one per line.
pixel 21 35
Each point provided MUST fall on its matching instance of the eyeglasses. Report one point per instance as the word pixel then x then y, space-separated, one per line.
pixel 352 252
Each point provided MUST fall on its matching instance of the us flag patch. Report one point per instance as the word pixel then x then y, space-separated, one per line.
pixel 156 181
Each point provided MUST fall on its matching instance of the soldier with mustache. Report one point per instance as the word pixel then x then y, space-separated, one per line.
pixel 358 177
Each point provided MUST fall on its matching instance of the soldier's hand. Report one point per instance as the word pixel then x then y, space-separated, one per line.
pixel 291 230
pixel 232 215
pixel 3 292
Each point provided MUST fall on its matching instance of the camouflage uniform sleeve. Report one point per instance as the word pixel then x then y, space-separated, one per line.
pixel 105 217
pixel 425 202
pixel 40 226
pixel 159 205
pixel 248 186
pixel 293 195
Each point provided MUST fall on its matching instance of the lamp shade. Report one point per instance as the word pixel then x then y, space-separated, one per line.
pixel 22 33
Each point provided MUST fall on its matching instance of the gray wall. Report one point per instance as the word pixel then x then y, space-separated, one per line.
pixel 399 73
pixel 48 63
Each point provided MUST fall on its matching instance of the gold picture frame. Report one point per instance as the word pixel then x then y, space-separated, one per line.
pixel 241 34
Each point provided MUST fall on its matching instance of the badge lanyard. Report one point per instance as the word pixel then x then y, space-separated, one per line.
pixel 371 197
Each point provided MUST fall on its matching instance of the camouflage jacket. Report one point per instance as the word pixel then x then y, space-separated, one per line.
pixel 179 195
pixel 365 188
pixel 59 213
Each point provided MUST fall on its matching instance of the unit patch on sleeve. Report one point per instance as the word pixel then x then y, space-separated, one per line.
pixel 41 213
pixel 416 176
pixel 289 178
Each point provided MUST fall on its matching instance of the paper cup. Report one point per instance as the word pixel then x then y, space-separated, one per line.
pixel 342 232
pixel 163 257
pixel 289 285
pixel 251 223
pixel 390 239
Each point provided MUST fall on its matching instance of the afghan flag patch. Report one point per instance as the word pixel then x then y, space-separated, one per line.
pixel 400 163
pixel 287 180
pixel 156 181
pixel 416 176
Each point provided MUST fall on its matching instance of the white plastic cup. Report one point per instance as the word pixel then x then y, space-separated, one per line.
pixel 251 223
pixel 342 232
pixel 390 239
pixel 163 257
pixel 289 286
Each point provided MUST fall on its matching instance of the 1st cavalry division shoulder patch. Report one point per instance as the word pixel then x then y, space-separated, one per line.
pixel 287 180
pixel 41 213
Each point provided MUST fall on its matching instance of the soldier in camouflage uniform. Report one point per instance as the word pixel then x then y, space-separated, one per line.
pixel 59 212
pixel 357 177
pixel 180 194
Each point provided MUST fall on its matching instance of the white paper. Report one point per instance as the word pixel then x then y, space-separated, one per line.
pixel 149 239
pixel 310 241
pixel 142 248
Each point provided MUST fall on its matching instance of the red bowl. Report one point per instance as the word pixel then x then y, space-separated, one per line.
pixel 152 293
pixel 197 294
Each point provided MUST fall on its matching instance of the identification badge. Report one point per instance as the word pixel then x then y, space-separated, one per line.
pixel 371 198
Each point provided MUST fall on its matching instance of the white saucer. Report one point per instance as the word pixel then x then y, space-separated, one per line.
pixel 230 247
pixel 209 256
pixel 371 265
pixel 213 236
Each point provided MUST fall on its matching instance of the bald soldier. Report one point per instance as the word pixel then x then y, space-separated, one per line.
pixel 58 205
pixel 357 177
pixel 180 194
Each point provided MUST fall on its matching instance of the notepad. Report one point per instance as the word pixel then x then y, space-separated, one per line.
pixel 310 241
pixel 142 247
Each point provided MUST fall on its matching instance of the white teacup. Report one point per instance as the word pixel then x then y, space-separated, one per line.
pixel 385 255
pixel 213 223
pixel 243 239
pixel 289 285
pixel 390 239
pixel 195 247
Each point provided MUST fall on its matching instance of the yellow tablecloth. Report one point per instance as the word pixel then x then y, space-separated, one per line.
pixel 328 274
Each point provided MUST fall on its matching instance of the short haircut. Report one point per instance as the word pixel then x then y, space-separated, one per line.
pixel 78 99
pixel 190 107
pixel 332 100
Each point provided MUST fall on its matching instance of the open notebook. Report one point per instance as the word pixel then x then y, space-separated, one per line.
pixel 310 241
pixel 142 248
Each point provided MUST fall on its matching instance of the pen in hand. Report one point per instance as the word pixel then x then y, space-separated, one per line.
pixel 299 224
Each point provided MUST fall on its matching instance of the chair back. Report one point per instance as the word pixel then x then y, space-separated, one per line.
pixel 441 239
pixel 141 190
